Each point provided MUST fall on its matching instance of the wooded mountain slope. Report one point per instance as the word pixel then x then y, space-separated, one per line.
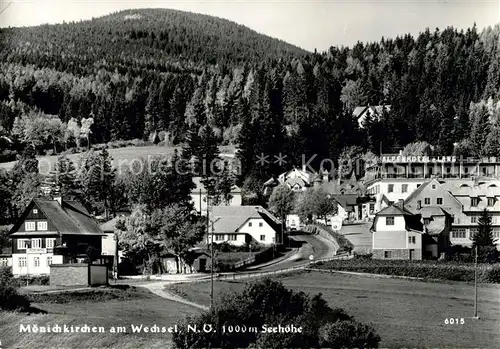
pixel 161 72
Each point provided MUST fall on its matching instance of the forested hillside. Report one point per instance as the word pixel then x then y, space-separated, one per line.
pixel 161 74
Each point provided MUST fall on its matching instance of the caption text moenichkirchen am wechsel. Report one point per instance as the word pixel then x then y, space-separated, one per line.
pixel 56 328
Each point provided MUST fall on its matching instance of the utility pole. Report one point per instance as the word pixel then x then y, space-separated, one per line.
pixel 475 287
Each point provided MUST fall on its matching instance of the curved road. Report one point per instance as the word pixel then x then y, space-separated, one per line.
pixel 314 245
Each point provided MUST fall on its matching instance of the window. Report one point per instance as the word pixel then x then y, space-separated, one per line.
pixel 41 226
pixel 35 211
pixel 390 188
pixel 474 202
pixel 249 224
pixel 427 221
pixel 472 233
pixel 427 201
pixel 50 242
pixel 466 169
pixel 219 237
pixel 4 262
pixel 419 204
pixel 404 188
pixel 36 261
pixel 418 185
pixel 22 262
pixel 473 219
pixel 491 201
pixel 372 208
pixel 456 220
pixel 49 261
pixel 389 220
pixel 262 237
pixel 36 243
pixel 496 234
pixel 387 254
pixel 458 233
pixel 433 186
pixel 29 226
pixel 232 237
pixel 261 224
pixel 22 244
pixel 439 201
pixel 411 239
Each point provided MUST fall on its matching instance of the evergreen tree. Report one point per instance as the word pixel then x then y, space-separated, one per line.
pixel 484 241
pixel 62 180
pixel 484 235
pixel 481 126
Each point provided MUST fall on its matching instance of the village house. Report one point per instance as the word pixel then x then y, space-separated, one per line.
pixel 199 196
pixel 464 200
pixel 240 225
pixel 398 233
pixel 376 111
pixel 53 232
pixel 296 179
pixel 427 167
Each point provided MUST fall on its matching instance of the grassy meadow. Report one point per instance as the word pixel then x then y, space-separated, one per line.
pixel 405 313
pixel 105 309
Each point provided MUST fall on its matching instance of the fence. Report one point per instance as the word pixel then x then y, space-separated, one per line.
pixel 257 274
pixel 260 257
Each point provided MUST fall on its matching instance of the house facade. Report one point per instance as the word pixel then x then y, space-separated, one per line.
pixel 426 167
pixel 240 225
pixel 199 197
pixel 387 191
pixel 397 233
pixel 463 200
pixel 52 232
pixel 296 179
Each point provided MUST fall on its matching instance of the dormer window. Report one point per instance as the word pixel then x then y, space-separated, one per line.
pixel 491 201
pixel 427 221
pixel 474 202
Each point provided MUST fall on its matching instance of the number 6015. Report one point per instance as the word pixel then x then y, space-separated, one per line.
pixel 454 321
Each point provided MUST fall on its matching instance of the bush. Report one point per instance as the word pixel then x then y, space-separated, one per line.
pixel 10 299
pixel 268 302
pixel 494 275
pixel 439 270
pixel 32 280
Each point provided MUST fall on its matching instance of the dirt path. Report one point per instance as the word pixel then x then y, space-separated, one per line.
pixel 158 288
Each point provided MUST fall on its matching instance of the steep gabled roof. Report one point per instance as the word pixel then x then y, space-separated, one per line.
pixel 228 219
pixel 69 217
pixel 394 210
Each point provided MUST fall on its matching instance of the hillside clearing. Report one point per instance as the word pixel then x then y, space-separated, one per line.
pixel 122 157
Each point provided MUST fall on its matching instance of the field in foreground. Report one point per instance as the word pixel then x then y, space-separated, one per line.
pixel 140 308
pixel 405 313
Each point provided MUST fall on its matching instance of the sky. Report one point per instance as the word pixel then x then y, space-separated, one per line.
pixel 310 24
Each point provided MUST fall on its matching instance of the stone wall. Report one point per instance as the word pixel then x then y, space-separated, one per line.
pixel 397 254
pixel 69 274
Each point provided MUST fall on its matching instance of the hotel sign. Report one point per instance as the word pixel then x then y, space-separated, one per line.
pixel 36 250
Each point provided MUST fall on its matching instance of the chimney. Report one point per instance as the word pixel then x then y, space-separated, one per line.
pixel 58 199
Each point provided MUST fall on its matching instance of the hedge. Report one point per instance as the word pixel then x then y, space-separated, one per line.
pixel 439 270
